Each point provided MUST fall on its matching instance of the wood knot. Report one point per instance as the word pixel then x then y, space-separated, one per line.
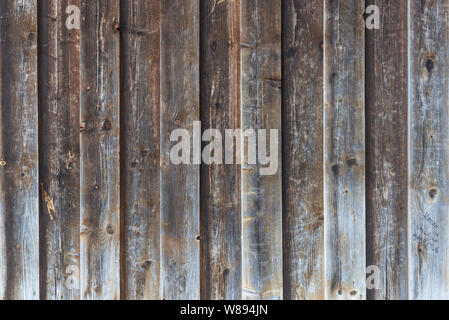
pixel 351 162
pixel 110 229
pixel 433 193
pixel 107 125
pixel 335 169
pixel 147 264
pixel 429 65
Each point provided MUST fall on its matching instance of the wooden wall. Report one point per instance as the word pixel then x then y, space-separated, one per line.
pixel 91 207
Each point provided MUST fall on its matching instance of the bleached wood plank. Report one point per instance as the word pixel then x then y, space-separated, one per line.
pixel 140 30
pixel 261 109
pixel 180 207
pixel 344 149
pixel 429 149
pixel 100 124
pixel 19 191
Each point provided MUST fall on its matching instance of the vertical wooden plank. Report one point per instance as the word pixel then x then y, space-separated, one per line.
pixel 344 149
pixel 180 247
pixel 140 137
pixel 303 149
pixel 261 109
pixel 59 50
pixel 220 184
pixel 386 150
pixel 19 191
pixel 429 149
pixel 100 181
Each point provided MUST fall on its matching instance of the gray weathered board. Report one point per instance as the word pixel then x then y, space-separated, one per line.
pixel 92 207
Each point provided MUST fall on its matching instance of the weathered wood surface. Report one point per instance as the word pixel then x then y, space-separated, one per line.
pixel 221 226
pixel 100 125
pixel 386 150
pixel 429 149
pixel 92 207
pixel 302 127
pixel 140 149
pixel 59 152
pixel 344 149
pixel 19 191
pixel 261 109
pixel 180 214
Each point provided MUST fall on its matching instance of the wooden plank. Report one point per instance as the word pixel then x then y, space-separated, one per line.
pixel 19 185
pixel 261 109
pixel 303 222
pixel 140 136
pixel 386 150
pixel 59 153
pixel 344 149
pixel 180 214
pixel 100 181
pixel 220 184
pixel 429 149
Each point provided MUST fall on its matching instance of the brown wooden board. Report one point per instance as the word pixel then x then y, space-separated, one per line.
pixel 100 152
pixel 386 150
pixel 221 258
pixel 140 149
pixel 180 214
pixel 302 125
pixel 19 185
pixel 59 151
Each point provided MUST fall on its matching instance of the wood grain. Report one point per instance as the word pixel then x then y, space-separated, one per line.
pixel 344 149
pixel 59 152
pixel 303 219
pixel 19 186
pixel 386 150
pixel 100 124
pixel 429 149
pixel 221 228
pixel 140 149
pixel 261 109
pixel 180 214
